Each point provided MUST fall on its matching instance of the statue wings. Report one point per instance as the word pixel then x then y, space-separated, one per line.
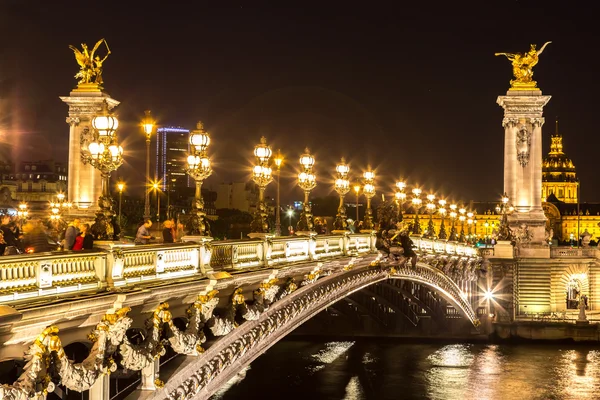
pixel 79 56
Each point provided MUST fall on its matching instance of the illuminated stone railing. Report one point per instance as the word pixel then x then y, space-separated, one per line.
pixel 439 246
pixel 566 252
pixel 50 274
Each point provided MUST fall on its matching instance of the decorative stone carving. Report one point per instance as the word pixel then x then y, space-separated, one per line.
pixel 138 356
pixel 73 121
pixel 509 121
pixel 523 235
pixel 523 145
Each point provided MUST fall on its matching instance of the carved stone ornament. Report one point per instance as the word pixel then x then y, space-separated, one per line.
pixel 510 122
pixel 523 145
pixel 73 121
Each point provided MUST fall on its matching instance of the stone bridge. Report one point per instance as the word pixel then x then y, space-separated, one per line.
pixel 208 308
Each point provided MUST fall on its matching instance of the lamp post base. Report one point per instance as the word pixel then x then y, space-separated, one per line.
pixel 260 235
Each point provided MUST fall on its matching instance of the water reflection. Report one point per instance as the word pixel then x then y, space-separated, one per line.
pixel 448 373
pixel 371 369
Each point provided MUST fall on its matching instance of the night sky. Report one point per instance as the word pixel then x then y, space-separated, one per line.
pixel 412 91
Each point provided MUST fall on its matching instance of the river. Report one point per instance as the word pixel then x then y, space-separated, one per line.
pixel 386 369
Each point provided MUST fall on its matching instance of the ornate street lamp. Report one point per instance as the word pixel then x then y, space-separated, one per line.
pixel 416 202
pixel 462 219
pixel 120 186
pixel 342 187
pixel 369 190
pixel 504 208
pixel 278 162
pixel 430 210
pixel 453 216
pixel 104 154
pixel 442 211
pixel 198 168
pixel 262 176
pixel 400 196
pixel 307 181
pixel 148 127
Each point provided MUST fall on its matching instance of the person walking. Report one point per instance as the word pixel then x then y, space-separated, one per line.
pixel 85 240
pixel 407 246
pixel 10 242
pixel 71 233
pixel 168 232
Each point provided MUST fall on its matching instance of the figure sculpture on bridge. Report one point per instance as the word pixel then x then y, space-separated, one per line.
pixel 90 64
pixel 523 64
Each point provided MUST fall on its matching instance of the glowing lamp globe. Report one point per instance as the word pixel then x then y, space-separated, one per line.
pixel 401 185
pixel 263 151
pixel 342 168
pixel 369 175
pixel 105 123
pixel 431 197
pixel 199 138
pixel 306 160
pixel 416 191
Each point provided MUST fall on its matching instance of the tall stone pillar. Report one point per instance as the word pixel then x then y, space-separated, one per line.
pixel 522 124
pixel 84 182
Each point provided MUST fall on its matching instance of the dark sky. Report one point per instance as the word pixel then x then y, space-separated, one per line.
pixel 411 89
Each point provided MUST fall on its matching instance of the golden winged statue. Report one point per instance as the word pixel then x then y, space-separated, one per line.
pixel 90 65
pixel 523 64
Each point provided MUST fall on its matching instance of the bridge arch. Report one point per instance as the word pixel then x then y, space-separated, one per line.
pixel 201 377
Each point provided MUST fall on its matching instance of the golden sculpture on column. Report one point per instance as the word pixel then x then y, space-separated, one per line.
pixel 523 64
pixel 90 67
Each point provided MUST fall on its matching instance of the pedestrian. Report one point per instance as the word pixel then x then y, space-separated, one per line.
pixel 168 232
pixel 35 239
pixel 407 246
pixel 10 242
pixel 85 240
pixel 71 233
pixel 143 235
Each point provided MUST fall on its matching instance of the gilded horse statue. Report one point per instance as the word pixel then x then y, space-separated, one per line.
pixel 523 64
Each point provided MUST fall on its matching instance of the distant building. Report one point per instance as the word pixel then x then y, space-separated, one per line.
pixel 558 173
pixel 236 195
pixel 171 158
pixel 33 182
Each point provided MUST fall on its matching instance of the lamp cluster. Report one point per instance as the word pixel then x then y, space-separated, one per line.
pixel 199 168
pixel 262 175
pixel 342 187
pixel 106 155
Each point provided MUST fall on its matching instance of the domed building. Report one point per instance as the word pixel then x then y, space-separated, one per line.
pixel 558 173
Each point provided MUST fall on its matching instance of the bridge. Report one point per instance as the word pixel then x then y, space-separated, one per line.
pixel 208 308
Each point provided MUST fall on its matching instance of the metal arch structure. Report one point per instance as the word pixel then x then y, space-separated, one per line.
pixel 204 375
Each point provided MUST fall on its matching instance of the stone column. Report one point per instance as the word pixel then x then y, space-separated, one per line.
pixel 150 374
pixel 101 388
pixel 84 182
pixel 522 124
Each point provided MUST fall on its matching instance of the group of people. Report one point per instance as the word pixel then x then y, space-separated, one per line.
pixel 171 232
pixel 78 236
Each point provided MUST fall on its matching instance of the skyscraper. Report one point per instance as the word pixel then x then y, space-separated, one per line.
pixel 171 152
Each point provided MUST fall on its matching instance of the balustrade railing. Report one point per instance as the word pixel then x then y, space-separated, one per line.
pixel 565 252
pixel 49 274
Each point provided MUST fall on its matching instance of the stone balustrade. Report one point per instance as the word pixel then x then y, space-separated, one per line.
pixel 568 252
pixel 42 275
pixel 438 246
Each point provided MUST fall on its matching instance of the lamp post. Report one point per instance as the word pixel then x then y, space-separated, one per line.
pixel 453 215
pixel 307 181
pixel 148 128
pixel 357 192
pixel 400 196
pixel 442 211
pixel 22 214
pixel 486 225
pixel 104 154
pixel 462 218
pixel 156 188
pixel 278 163
pixel 120 186
pixel 469 225
pixel 198 168
pixel 262 176
pixel 504 208
pixel 290 214
pixel 369 190
pixel 342 187
pixel 430 209
pixel 416 201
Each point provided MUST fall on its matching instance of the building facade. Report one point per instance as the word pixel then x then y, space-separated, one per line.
pixel 172 148
pixel 558 173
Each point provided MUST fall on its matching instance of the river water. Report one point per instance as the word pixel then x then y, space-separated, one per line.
pixel 386 369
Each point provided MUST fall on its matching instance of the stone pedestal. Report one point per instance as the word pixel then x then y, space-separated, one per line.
pixel 84 183
pixel 503 249
pixel 522 124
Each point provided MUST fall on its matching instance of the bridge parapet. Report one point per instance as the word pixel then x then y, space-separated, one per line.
pixel 52 274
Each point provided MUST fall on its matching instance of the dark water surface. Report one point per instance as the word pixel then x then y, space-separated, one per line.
pixel 384 369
